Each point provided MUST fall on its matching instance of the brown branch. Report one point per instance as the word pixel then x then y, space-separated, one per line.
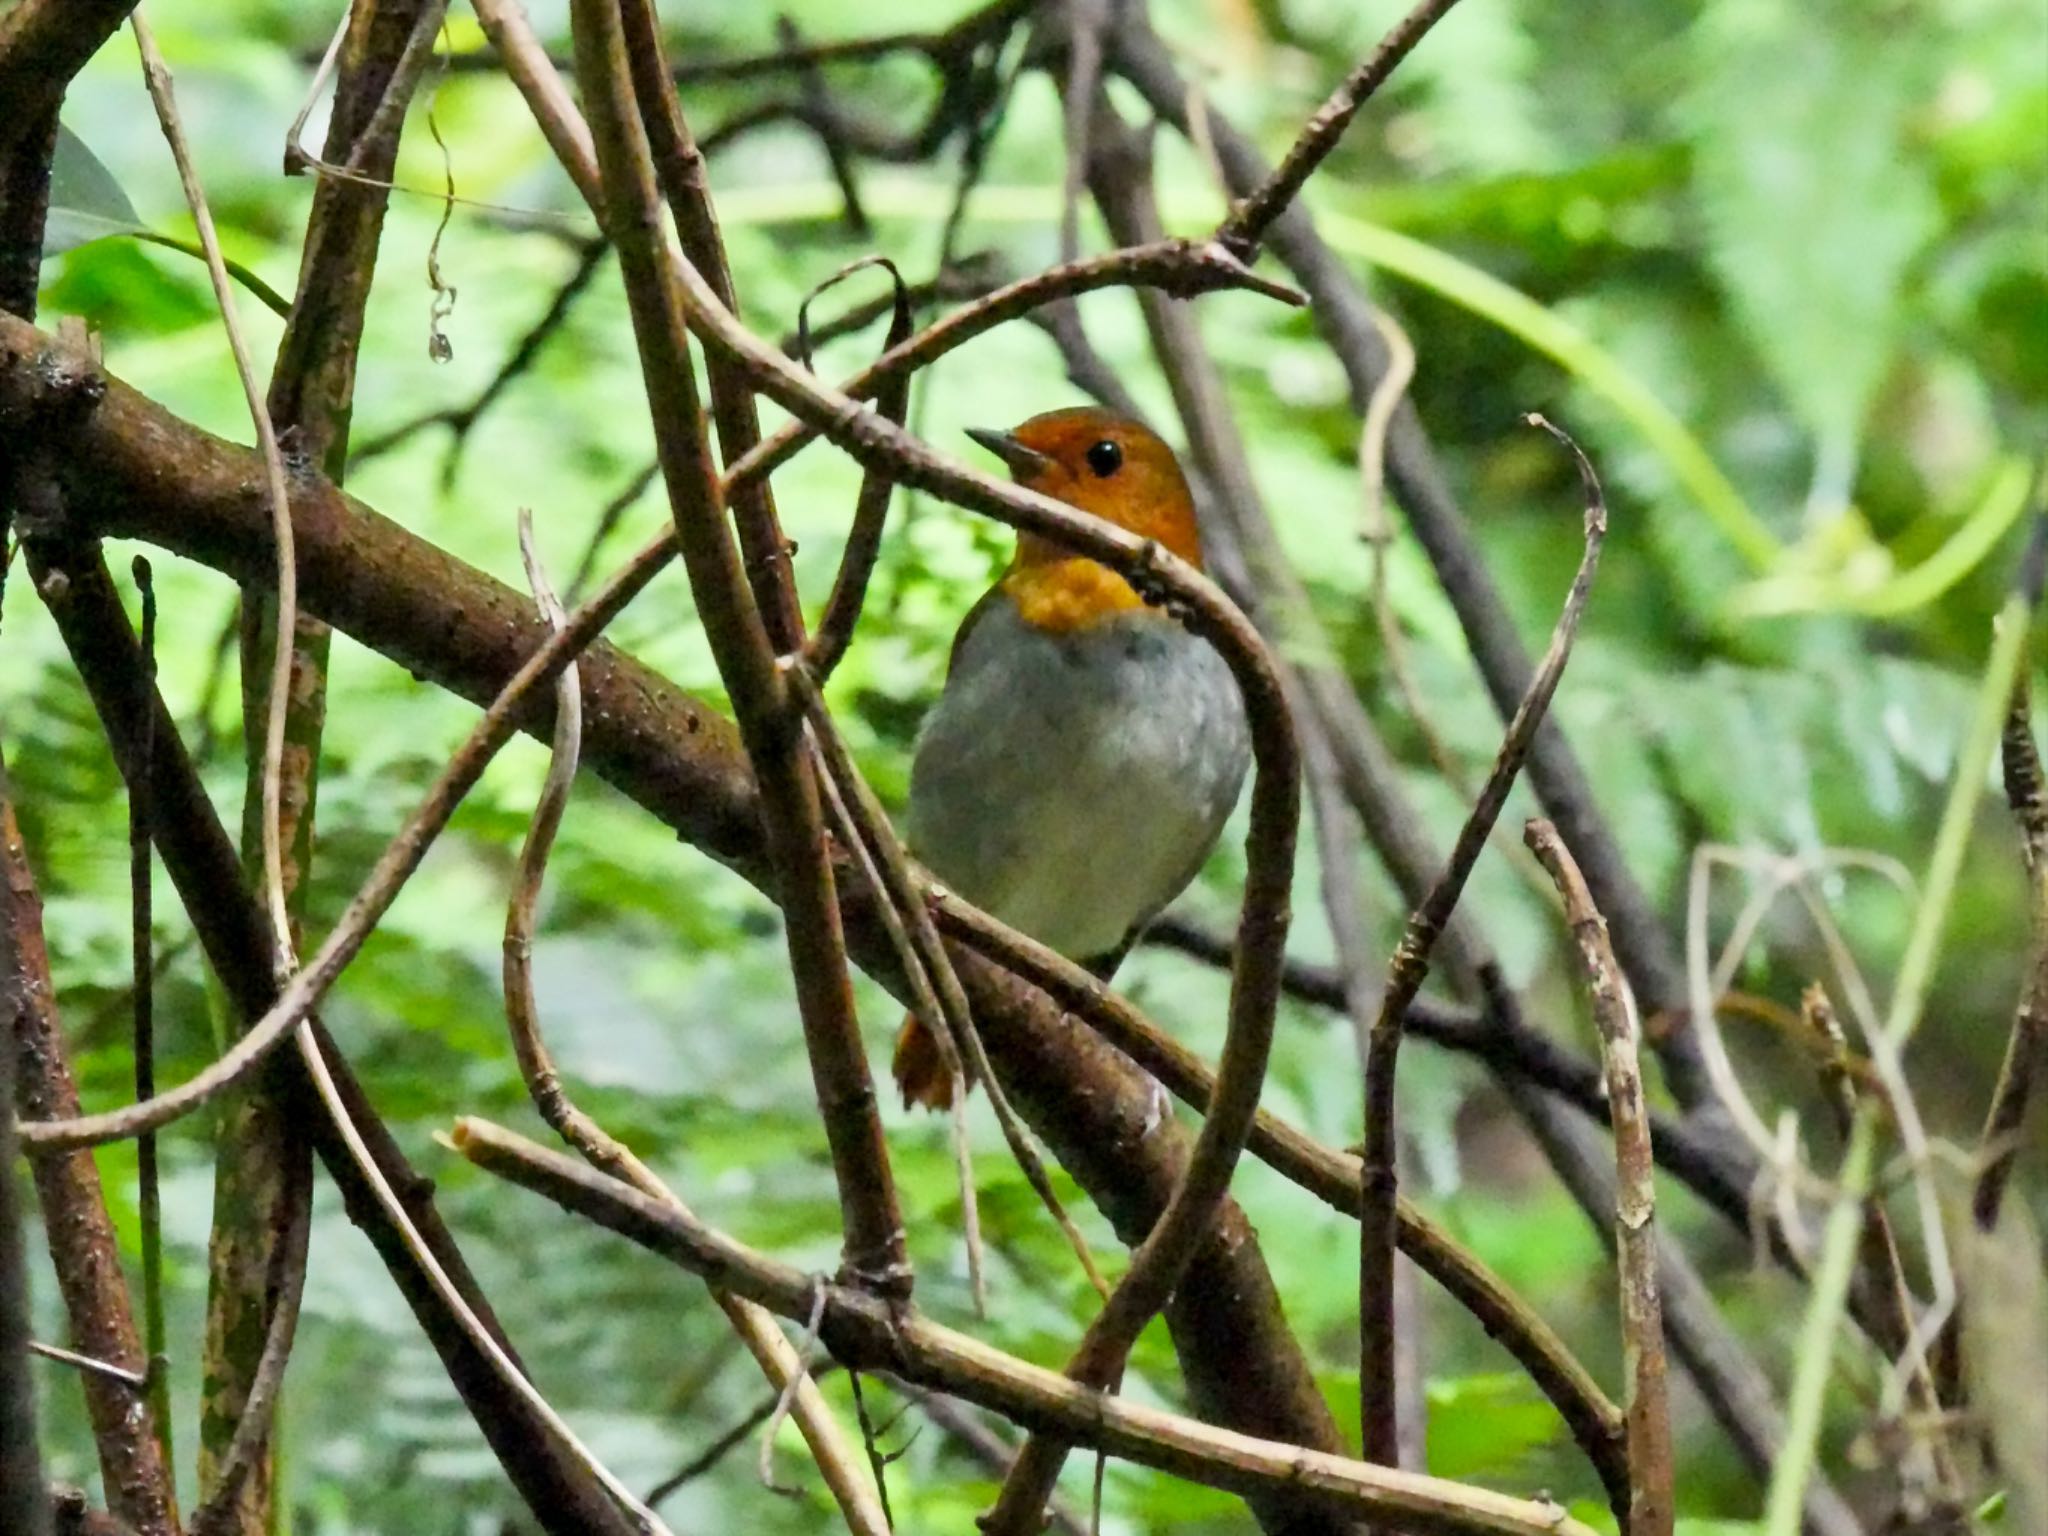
pixel 24 1507
pixel 1645 1399
pixel 135 470
pixel 231 922
pixel 598 1147
pixel 2026 1047
pixel 863 1332
pixel 262 1162
pixel 1405 977
pixel 679 170
pixel 247 1450
pixel 1256 211
pixel 84 1249
pixel 739 631
pixel 43 44
pixel 1331 1176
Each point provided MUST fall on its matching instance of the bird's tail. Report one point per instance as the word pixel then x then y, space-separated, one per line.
pixel 920 1072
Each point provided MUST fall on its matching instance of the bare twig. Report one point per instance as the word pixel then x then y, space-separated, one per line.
pixel 865 1332
pixel 1249 220
pixel 156 75
pixel 765 1463
pixel 871 509
pixel 148 1186
pixel 1405 977
pixel 246 1448
pixel 1926 1462
pixel 1645 1400
pixel 723 1445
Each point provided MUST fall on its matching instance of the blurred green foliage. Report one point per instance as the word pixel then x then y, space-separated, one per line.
pixel 1809 240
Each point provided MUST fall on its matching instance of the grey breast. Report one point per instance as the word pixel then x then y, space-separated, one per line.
pixel 1072 784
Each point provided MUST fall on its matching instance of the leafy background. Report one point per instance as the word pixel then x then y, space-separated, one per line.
pixel 1782 266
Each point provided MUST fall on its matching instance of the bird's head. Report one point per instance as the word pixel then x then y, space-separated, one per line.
pixel 1110 467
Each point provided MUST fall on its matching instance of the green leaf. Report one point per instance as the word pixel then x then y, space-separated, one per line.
pixel 1813 208
pixel 86 203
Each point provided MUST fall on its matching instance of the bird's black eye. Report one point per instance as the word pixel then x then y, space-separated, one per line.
pixel 1105 458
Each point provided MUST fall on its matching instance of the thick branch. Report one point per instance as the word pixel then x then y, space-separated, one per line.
pixel 84 1249
pixel 131 467
pixel 741 641
pixel 203 865
pixel 43 44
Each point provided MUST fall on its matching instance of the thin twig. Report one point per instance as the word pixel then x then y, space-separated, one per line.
pixel 134 1380
pixel 2027 1044
pixel 841 791
pixel 865 1332
pixel 723 1445
pixel 871 509
pixel 1379 1411
pixel 1815 1352
pixel 1926 1462
pixel 765 1464
pixel 157 76
pixel 218 1515
pixel 1645 1399
pixel 1248 221
pixel 953 1028
pixel 148 1185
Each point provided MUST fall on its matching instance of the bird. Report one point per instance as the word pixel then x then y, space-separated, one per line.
pixel 1086 749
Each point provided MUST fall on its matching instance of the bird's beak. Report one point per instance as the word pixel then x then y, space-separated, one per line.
pixel 1025 463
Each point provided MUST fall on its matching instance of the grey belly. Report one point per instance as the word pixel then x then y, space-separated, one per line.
pixel 1072 785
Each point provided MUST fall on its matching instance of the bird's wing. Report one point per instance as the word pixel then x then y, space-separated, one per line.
pixel 980 611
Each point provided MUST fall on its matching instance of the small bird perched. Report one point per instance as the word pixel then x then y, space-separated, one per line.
pixel 1087 748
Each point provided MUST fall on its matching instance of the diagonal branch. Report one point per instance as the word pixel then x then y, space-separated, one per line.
pixel 740 636
pixel 864 1332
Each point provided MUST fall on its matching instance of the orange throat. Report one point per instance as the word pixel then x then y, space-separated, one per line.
pixel 1067 594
